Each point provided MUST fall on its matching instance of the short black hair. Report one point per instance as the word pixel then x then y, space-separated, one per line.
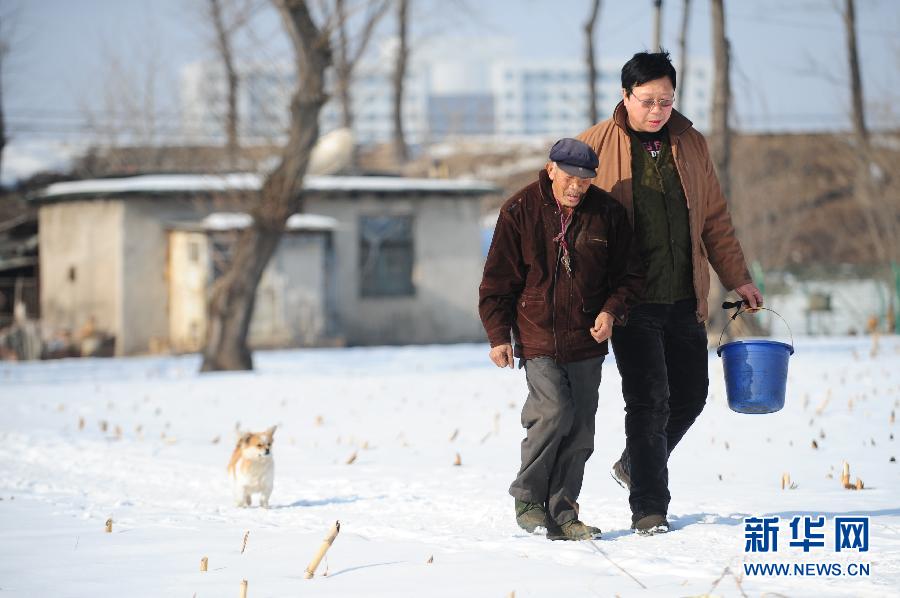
pixel 647 66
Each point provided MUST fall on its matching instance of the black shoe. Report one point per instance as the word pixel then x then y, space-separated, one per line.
pixel 650 525
pixel 620 475
pixel 530 515
pixel 573 530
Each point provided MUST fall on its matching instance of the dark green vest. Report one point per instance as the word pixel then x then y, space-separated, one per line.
pixel 661 224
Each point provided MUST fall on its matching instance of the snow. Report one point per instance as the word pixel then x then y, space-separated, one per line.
pixel 180 183
pixel 237 220
pixel 406 412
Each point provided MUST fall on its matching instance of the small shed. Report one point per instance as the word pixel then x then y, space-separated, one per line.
pixel 132 255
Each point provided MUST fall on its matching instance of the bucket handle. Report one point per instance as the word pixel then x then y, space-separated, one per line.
pixel 743 306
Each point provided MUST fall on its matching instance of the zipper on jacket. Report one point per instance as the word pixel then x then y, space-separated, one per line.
pixel 553 302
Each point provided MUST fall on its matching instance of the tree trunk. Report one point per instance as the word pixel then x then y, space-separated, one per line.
pixel 683 51
pixel 223 45
pixel 721 133
pixel 590 58
pixel 657 25
pixel 401 153
pixel 4 50
pixel 347 58
pixel 232 298
pixel 864 188
pixel 2 116
pixel 342 66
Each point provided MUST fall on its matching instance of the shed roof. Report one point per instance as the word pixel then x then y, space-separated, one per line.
pixel 223 221
pixel 190 183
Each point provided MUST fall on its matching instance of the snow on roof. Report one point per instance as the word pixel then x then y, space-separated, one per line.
pixel 181 183
pixel 220 221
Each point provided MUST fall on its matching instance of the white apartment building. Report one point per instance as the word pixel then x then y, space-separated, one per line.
pixel 551 98
pixel 443 98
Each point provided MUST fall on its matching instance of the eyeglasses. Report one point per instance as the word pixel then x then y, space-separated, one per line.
pixel 662 103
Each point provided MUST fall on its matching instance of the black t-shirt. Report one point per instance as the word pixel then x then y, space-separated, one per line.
pixel 653 142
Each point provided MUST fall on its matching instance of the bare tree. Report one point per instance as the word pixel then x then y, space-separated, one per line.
pixel 657 25
pixel 346 57
pixel 4 50
pixel 401 152
pixel 223 44
pixel 683 50
pixel 590 58
pixel 232 298
pixel 721 132
pixel 865 185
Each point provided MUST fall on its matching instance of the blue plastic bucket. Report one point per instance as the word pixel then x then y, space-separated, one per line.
pixel 755 374
pixel 755 370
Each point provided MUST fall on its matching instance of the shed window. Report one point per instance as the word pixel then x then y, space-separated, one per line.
pixel 386 256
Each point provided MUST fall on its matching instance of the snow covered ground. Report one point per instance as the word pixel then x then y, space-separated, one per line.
pixel 157 436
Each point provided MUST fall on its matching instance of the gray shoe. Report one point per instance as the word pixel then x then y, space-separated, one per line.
pixel 620 475
pixel 530 515
pixel 573 530
pixel 650 525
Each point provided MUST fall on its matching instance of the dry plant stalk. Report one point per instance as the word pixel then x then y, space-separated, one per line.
pixel 430 560
pixel 109 525
pixel 845 476
pixel 457 461
pixel 785 480
pixel 244 544
pixel 243 593
pixel 352 458
pixel 859 484
pixel 326 544
pixel 204 562
pixel 454 435
pixel 892 418
pixel 81 423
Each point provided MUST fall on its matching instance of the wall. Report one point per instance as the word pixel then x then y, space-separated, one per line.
pixel 290 305
pixel 447 270
pixel 81 267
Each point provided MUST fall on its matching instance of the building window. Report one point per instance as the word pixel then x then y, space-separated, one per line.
pixel 385 256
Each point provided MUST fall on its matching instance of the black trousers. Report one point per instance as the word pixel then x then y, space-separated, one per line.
pixel 662 357
pixel 558 417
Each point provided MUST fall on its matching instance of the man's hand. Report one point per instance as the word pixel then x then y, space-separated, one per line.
pixel 751 294
pixel 603 327
pixel 502 356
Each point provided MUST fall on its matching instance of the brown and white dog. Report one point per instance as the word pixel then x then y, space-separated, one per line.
pixel 252 468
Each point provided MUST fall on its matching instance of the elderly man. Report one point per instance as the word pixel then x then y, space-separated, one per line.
pixel 559 275
pixel 656 165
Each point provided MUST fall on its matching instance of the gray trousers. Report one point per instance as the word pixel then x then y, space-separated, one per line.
pixel 558 417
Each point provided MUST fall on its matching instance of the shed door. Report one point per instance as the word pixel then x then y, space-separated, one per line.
pixel 189 270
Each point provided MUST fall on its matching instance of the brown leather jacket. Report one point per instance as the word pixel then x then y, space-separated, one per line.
pixel 526 289
pixel 712 233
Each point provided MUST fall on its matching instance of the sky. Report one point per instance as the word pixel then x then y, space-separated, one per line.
pixel 789 59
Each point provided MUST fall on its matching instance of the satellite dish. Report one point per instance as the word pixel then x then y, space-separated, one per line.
pixel 332 153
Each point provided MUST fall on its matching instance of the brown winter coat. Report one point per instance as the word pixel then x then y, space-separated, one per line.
pixel 712 233
pixel 525 288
